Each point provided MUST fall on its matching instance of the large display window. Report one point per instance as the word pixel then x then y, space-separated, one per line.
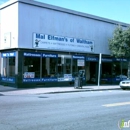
pixel 31 66
pixel 49 65
pixel 39 67
pixel 113 70
pixel 46 67
pixel 8 69
pixel 106 70
pixel 119 69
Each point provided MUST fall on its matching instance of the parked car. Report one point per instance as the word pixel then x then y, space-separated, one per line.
pixel 125 84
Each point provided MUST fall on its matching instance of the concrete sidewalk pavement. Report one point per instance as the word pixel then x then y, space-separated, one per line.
pixel 6 90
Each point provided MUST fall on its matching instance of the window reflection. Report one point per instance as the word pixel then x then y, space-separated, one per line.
pixel 49 67
pixel 8 67
pixel 32 64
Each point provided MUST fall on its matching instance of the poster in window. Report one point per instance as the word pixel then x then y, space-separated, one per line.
pixel 29 75
pixel 80 62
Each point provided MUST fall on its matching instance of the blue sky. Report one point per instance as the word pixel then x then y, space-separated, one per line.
pixel 118 10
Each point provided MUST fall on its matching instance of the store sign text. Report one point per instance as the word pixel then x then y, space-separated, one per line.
pixel 40 80
pixel 78 57
pixel 32 54
pixel 50 55
pixel 10 80
pixel 9 54
pixel 51 42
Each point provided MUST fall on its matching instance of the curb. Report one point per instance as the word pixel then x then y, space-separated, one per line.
pixel 82 90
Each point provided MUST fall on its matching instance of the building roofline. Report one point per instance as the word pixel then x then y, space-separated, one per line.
pixel 61 9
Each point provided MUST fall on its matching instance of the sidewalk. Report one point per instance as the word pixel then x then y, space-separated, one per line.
pixel 6 90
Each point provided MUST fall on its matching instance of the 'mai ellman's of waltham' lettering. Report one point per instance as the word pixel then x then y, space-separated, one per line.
pixel 57 43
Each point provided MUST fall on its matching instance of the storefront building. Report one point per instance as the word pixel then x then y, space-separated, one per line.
pixel 44 45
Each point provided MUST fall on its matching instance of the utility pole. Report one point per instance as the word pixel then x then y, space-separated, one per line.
pixel 99 68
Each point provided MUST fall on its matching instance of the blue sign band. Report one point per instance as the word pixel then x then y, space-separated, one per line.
pixel 32 54
pixel 10 79
pixel 92 59
pixel 78 57
pixel 47 55
pixel 8 54
pixel 40 80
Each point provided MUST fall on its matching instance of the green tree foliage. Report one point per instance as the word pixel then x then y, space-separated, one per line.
pixel 119 45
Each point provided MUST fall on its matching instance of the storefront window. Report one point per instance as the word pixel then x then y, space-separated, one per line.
pixel 8 67
pixel 46 67
pixel 31 65
pixel 119 69
pixel 49 65
pixel 8 64
pixel 106 70
pixel 113 70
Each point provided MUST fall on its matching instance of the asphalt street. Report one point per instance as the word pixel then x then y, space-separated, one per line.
pixel 95 110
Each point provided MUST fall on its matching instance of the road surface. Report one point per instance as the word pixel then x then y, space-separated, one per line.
pixel 95 110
